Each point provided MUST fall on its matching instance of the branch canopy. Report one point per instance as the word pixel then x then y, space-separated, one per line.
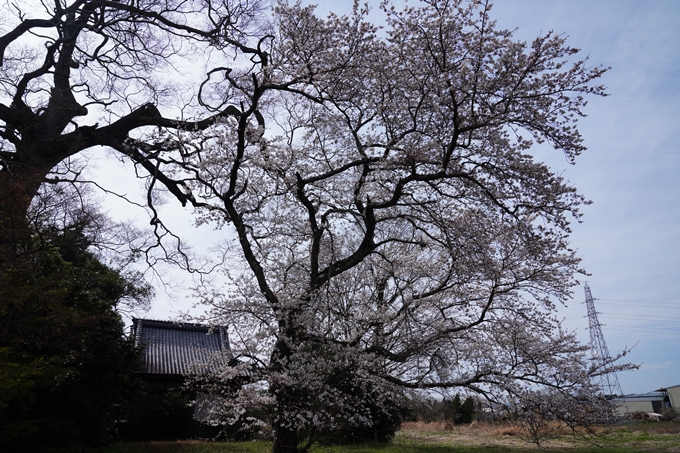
pixel 389 212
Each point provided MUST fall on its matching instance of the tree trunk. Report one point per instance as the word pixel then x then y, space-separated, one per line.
pixel 285 437
pixel 285 440
pixel 18 187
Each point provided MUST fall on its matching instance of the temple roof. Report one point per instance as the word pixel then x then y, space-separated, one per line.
pixel 172 348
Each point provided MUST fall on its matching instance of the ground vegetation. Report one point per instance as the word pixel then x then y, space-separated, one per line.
pixel 483 437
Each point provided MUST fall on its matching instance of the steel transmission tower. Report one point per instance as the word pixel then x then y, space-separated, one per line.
pixel 609 382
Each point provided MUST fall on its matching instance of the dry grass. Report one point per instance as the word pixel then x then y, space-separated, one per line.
pixel 655 427
pixel 646 436
pixel 475 434
pixel 505 431
pixel 423 426
pixel 554 428
pixel 476 428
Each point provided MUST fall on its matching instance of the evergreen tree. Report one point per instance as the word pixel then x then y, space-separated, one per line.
pixel 467 410
pixel 65 365
pixel 458 413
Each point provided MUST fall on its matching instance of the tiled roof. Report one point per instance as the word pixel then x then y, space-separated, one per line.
pixel 171 348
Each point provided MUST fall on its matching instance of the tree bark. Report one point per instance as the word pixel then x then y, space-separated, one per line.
pixel 18 186
pixel 285 440
pixel 285 437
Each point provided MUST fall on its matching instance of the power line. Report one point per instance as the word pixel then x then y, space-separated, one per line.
pixel 667 319
pixel 646 302
pixel 641 329
pixel 637 303
pixel 664 319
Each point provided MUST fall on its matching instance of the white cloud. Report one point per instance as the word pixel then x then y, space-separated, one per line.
pixel 655 366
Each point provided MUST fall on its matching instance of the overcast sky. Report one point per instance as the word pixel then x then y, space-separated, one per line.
pixel 630 236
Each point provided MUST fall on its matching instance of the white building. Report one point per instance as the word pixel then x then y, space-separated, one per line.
pixel 655 402
pixel 673 394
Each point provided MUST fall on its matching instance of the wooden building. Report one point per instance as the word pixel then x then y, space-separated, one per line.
pixel 171 351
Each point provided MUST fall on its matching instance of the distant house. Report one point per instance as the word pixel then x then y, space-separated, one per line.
pixel 672 397
pixel 651 402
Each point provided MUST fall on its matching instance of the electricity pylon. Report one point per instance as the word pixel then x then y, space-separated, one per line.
pixel 608 382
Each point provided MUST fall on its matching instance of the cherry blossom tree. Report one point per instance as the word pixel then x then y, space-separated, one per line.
pixel 395 230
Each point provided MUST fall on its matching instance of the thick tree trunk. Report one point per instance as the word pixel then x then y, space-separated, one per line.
pixel 18 187
pixel 285 437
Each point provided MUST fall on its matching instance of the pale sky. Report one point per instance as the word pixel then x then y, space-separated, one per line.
pixel 630 235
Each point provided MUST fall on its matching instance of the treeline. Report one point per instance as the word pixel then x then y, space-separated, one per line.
pixel 454 411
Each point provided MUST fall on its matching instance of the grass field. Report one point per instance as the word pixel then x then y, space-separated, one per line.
pixel 662 437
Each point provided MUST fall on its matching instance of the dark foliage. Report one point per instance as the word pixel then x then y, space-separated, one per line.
pixel 446 410
pixel 166 416
pixel 65 365
pixel 385 425
pixel 456 413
